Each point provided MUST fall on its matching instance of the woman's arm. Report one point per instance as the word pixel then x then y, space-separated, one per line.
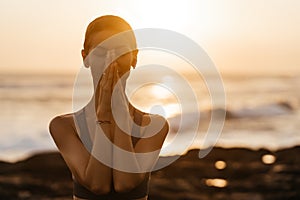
pixel 124 153
pixel 87 170
pixel 124 181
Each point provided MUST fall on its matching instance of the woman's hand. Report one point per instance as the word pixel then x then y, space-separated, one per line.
pixel 106 86
pixel 103 95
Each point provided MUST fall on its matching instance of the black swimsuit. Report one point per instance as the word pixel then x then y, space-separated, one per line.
pixel 138 192
pixel 80 191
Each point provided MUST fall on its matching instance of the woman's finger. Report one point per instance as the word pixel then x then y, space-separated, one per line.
pixel 104 97
pixel 106 81
pixel 103 79
pixel 110 76
pixel 115 78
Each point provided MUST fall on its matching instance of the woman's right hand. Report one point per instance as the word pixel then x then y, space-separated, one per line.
pixel 103 94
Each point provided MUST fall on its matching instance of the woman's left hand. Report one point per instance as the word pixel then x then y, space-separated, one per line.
pixel 121 111
pixel 112 102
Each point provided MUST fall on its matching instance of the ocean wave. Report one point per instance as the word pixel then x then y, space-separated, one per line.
pixel 266 110
pixel 35 99
pixel 273 109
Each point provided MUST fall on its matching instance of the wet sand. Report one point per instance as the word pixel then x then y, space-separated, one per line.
pixel 245 176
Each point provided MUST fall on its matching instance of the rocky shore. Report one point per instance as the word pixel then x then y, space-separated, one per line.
pixel 236 173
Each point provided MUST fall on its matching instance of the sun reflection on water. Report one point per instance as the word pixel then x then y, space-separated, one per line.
pixel 268 159
pixel 216 182
pixel 160 92
pixel 220 164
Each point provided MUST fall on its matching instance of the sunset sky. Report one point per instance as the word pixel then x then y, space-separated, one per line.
pixel 249 36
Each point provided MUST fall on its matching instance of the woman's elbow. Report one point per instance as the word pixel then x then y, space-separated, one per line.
pixel 95 185
pixel 99 189
pixel 125 183
pixel 96 188
pixel 123 187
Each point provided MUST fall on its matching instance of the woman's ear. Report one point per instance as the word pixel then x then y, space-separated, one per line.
pixel 83 54
pixel 134 60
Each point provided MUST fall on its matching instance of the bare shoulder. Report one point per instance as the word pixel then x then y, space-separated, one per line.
pixel 154 130
pixel 62 122
pixel 154 119
pixel 144 118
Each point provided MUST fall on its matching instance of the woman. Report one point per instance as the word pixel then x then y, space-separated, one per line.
pixel 93 142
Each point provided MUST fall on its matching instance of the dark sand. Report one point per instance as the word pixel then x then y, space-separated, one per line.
pixel 45 176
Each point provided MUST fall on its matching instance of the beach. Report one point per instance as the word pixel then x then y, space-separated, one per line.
pixel 256 156
pixel 261 112
pixel 235 173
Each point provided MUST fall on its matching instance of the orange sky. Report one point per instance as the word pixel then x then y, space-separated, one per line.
pixel 249 36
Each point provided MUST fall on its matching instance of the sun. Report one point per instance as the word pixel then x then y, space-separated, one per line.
pixel 168 14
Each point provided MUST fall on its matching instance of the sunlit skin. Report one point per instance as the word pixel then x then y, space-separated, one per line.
pixel 87 170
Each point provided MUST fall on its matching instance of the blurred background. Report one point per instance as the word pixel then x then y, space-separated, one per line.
pixel 254 44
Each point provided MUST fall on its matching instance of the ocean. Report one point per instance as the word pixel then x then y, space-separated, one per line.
pixel 262 111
